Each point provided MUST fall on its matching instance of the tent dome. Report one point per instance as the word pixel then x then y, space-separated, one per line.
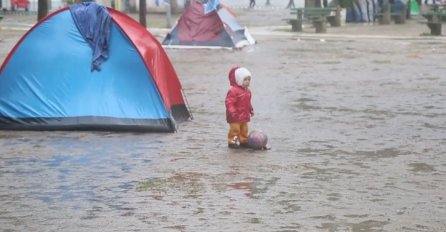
pixel 46 82
pixel 217 28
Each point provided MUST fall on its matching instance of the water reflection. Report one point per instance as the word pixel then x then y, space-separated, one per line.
pixel 357 141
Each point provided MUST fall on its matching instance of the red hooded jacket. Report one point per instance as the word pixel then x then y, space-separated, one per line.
pixel 238 101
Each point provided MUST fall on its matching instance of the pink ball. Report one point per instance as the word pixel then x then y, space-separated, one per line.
pixel 257 139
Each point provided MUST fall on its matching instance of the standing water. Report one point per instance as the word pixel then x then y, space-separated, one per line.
pixel 356 125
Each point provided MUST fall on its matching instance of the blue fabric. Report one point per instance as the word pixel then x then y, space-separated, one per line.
pixel 94 23
pixel 211 5
pixel 60 84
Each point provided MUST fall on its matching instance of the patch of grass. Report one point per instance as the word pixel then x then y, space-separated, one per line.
pixel 331 62
pixel 147 185
pixel 282 29
pixel 382 61
pixel 425 34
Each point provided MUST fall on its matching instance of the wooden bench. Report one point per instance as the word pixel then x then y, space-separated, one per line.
pixel 317 16
pixel 435 21
pixel 435 8
pixel 436 16
pixel 396 12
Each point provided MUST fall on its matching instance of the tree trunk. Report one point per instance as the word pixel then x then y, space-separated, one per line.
pixel 290 4
pixel 168 14
pixel 42 9
pixel 174 5
pixel 313 3
pixel 186 4
pixel 142 13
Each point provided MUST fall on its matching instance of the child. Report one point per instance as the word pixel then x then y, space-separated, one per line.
pixel 238 107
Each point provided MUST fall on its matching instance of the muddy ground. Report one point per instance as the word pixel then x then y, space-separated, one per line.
pixel 356 119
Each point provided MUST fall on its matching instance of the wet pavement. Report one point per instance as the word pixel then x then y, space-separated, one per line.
pixel 356 124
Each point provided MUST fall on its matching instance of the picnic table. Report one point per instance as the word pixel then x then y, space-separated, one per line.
pixel 318 16
pixel 435 18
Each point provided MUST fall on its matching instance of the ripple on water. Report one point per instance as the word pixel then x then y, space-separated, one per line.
pixel 421 167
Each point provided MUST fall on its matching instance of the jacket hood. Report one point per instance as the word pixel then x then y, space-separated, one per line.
pixel 231 76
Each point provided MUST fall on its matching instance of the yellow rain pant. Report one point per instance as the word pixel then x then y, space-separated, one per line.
pixel 239 130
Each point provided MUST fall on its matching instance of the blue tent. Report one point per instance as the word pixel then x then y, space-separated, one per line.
pixel 46 82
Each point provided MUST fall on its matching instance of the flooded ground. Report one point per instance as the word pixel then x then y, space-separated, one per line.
pixel 356 120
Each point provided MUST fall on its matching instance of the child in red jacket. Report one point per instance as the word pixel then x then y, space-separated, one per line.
pixel 238 107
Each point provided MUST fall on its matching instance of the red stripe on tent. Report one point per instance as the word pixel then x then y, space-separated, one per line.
pixel 229 10
pixel 154 56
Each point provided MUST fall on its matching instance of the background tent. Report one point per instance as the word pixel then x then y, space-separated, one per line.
pixel 46 82
pixel 217 28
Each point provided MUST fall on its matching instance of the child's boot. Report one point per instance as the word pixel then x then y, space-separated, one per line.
pixel 234 143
